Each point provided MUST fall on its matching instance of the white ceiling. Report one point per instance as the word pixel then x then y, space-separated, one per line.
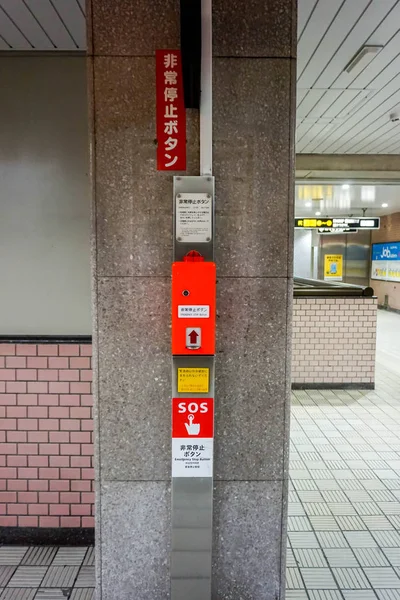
pixel 338 200
pixel 42 25
pixel 338 112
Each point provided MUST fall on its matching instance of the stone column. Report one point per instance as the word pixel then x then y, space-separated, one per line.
pixel 132 250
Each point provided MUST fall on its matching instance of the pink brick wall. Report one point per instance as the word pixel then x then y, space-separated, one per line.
pixel 334 340
pixel 46 435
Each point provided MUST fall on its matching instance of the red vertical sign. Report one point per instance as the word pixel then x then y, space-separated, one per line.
pixel 171 117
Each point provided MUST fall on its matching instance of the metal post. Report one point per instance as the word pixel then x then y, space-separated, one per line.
pixel 192 483
pixel 206 89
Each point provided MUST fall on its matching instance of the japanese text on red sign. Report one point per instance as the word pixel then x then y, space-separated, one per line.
pixel 171 118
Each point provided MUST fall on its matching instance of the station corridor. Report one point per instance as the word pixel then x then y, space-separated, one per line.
pixel 344 509
pixel 344 500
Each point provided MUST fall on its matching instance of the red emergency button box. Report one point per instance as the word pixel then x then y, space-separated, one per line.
pixel 193 308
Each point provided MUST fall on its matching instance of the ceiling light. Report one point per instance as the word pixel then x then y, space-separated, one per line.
pixel 317 213
pixel 345 186
pixel 362 59
pixel 384 205
pixel 308 204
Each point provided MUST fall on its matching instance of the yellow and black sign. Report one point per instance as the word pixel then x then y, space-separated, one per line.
pixel 313 223
pixel 193 381
pixel 333 267
pixel 337 223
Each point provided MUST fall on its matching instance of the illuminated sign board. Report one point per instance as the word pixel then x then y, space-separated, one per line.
pixel 337 223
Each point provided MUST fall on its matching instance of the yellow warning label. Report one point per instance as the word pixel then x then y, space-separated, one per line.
pixel 193 381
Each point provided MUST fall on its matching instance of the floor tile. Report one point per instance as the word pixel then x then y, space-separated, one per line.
pixel 60 577
pixel 69 556
pixel 371 557
pixel 86 578
pixel 39 556
pixel 360 539
pixel 304 539
pixel 5 575
pixel 393 556
pixel 341 557
pixel 88 594
pixel 299 524
pixel 12 555
pixel 293 579
pixel 325 595
pixel 28 577
pixel 309 557
pixel 359 595
pixel 382 577
pixel 320 579
pixel 332 539
pixel 350 578
pixel 18 594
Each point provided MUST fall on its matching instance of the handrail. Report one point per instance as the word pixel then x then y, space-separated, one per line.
pixel 315 287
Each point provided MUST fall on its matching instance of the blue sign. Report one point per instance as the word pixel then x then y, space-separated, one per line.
pixel 389 251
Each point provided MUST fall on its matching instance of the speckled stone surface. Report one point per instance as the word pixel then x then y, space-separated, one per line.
pixel 135 27
pixel 254 28
pixel 133 200
pixel 134 378
pixel 135 540
pixel 250 379
pixel 247 540
pixel 253 126
pixel 252 171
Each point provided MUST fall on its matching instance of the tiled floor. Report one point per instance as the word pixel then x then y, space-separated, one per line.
pixel 46 573
pixel 344 510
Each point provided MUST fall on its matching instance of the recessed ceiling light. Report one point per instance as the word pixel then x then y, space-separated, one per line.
pixel 384 205
pixel 308 204
pixel 317 213
pixel 361 59
pixel 345 186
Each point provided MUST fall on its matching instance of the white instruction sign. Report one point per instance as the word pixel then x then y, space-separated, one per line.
pixel 191 311
pixel 193 217
pixel 192 458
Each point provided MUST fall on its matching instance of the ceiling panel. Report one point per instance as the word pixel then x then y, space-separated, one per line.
pixel 42 25
pixel 333 73
pixel 315 29
pixel 357 118
pixel 332 40
pixel 73 17
pixel 20 14
pixel 11 34
pixel 52 24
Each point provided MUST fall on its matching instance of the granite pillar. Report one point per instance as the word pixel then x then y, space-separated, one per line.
pixel 253 97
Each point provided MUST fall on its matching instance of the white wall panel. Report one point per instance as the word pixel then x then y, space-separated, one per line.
pixel 44 197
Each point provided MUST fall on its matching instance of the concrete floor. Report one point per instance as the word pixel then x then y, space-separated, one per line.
pixel 344 509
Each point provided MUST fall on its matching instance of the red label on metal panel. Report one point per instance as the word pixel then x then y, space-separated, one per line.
pixel 171 116
pixel 192 418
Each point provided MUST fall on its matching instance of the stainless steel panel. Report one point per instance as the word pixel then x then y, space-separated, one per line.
pixel 192 184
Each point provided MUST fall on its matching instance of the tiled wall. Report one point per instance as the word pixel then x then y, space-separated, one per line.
pixel 46 435
pixel 334 340
pixel 388 232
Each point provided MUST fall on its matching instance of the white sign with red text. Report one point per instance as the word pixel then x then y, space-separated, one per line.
pixel 192 437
